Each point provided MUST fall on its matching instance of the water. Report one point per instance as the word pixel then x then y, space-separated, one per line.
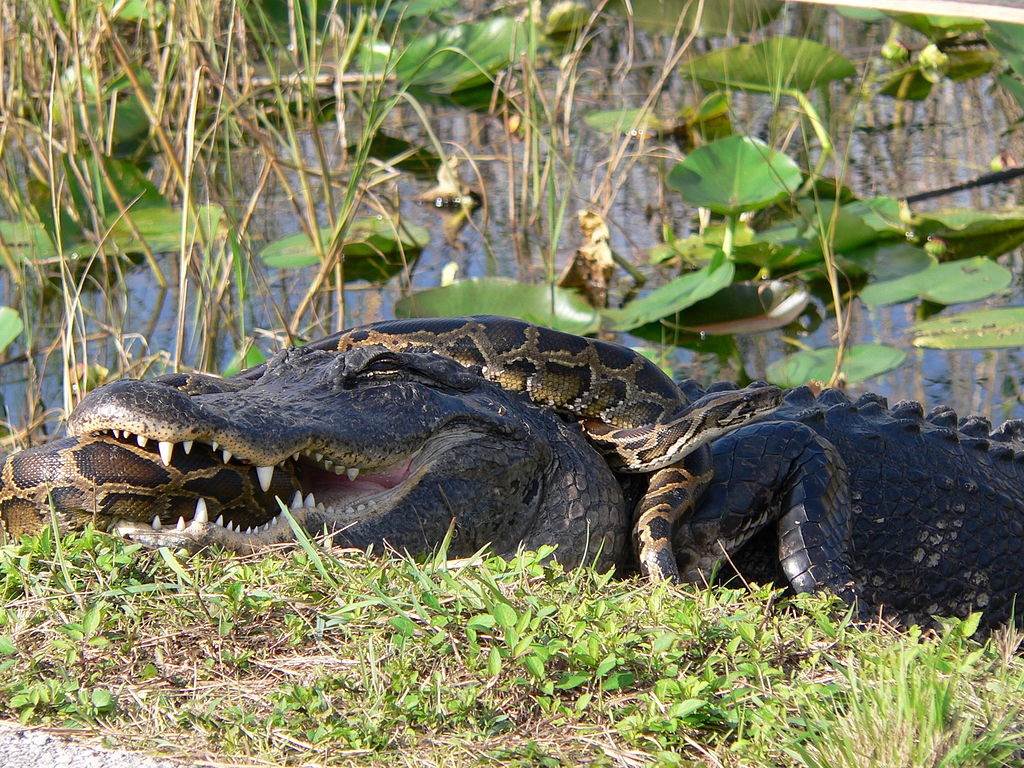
pixel 887 148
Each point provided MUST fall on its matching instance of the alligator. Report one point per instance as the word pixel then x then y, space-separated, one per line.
pixel 490 432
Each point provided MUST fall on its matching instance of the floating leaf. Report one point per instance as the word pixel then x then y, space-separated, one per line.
pixel 25 241
pixel 889 260
pixel 953 282
pixel 734 175
pixel 980 329
pixel 375 249
pixel 746 307
pixel 860 362
pixel 937 27
pixel 460 56
pixel 634 122
pixel 776 64
pixel 10 326
pixel 668 299
pixel 736 17
pixel 542 304
pixel 969 232
pixel 160 228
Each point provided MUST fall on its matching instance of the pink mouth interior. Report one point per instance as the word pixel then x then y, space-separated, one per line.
pixel 323 483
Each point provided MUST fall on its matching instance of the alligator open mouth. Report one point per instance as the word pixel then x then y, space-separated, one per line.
pixel 217 497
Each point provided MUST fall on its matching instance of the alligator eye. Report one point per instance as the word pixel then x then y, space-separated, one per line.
pixel 382 367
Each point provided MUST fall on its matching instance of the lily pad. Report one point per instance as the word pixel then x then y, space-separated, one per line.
pixel 776 64
pixel 25 241
pixel 980 329
pixel 375 249
pixel 620 122
pixel 723 17
pixel 746 307
pixel 543 304
pixel 969 232
pixel 888 261
pixel 953 282
pixel 734 175
pixel 459 57
pixel 159 227
pixel 860 362
pixel 671 298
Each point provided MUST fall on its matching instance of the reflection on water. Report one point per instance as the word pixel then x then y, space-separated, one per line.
pixel 885 148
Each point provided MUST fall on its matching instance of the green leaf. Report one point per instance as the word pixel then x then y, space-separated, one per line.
pixel 534 665
pixel 736 17
pixel 618 680
pixel 403 625
pixel 102 700
pixel 375 249
pixel 251 356
pixel 734 175
pixel 1008 39
pixel 504 614
pixel 461 56
pixel 746 307
pixel 620 122
pixel 951 283
pixel 542 304
pixel 26 241
pixel 773 65
pixel 889 260
pixel 11 326
pixel 970 232
pixel 668 299
pixel 938 27
pixel 980 329
pixel 860 362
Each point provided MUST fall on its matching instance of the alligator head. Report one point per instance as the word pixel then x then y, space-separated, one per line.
pixel 372 445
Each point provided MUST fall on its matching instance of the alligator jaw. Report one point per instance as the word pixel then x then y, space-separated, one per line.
pixel 330 498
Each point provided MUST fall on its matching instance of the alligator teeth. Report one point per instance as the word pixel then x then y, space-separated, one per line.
pixel 220 521
pixel 227 455
pixel 276 521
pixel 229 526
pixel 181 524
pixel 116 433
pixel 187 446
pixel 309 501
pixel 201 514
pixel 265 475
pixel 296 501
pixel 339 470
pixel 156 523
pixel 141 441
pixel 166 450
pixel 214 445
pixel 352 472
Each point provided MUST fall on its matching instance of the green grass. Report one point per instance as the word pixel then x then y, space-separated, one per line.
pixel 315 656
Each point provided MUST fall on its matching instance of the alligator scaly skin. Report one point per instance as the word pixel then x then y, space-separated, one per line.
pixel 916 516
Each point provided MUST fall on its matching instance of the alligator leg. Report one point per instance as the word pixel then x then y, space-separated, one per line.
pixel 782 473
